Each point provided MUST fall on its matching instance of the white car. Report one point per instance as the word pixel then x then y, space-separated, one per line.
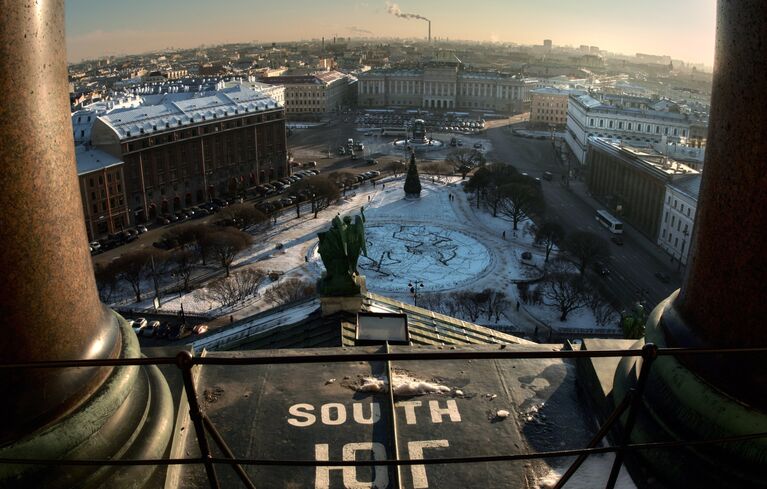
pixel 139 324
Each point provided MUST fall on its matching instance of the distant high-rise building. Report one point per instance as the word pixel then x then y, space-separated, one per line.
pixel 547 44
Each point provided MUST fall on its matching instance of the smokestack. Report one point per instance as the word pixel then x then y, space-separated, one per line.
pixel 429 30
pixel 323 43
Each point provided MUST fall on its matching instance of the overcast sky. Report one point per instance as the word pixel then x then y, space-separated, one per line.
pixel 683 29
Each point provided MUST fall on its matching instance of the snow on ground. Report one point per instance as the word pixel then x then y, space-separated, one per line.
pixel 446 243
pixel 593 473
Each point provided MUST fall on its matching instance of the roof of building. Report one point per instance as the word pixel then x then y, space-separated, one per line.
pixel 319 78
pixel 91 159
pixel 550 91
pixel 647 157
pixel 302 326
pixel 171 110
pixel 688 185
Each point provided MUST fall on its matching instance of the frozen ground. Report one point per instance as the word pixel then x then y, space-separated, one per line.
pixel 446 243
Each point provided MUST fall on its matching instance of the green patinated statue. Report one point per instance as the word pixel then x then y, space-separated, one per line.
pixel 340 248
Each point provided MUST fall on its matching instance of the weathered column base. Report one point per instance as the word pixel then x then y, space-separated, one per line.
pixel 680 405
pixel 129 417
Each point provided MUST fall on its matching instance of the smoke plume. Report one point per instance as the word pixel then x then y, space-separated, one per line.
pixel 394 9
pixel 357 30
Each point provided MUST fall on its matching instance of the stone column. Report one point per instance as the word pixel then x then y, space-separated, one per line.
pixel 721 301
pixel 49 307
pixel 726 280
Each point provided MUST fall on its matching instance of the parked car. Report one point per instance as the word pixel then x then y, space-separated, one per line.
pixel 95 246
pixel 163 330
pixel 663 277
pixel 310 164
pixel 617 240
pixel 139 324
pixel 141 229
pixel 547 175
pixel 200 329
pixel 372 161
pixel 150 329
pixel 477 145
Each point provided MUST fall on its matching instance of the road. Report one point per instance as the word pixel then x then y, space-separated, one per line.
pixel 633 265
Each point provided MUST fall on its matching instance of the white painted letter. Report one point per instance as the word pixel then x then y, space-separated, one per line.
pixel 308 418
pixel 375 413
pixel 322 474
pixel 409 410
pixel 451 410
pixel 415 452
pixel 340 417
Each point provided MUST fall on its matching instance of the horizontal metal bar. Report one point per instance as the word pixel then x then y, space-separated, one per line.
pixel 382 357
pixel 356 463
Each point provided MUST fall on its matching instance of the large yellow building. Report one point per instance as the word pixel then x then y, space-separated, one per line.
pixel 549 106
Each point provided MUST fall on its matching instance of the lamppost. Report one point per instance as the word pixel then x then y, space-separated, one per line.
pixel 414 286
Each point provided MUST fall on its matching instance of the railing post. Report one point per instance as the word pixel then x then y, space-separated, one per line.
pixel 649 354
pixel 606 427
pixel 184 362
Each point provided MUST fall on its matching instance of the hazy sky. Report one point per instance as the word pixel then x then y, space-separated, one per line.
pixel 683 29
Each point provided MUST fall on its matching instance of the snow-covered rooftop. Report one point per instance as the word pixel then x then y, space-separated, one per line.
pixel 92 159
pixel 172 110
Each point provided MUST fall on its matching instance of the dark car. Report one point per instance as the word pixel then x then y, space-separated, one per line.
pixel 164 330
pixel 617 240
pixel 663 277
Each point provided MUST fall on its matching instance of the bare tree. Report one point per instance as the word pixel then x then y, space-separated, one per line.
pixel 290 290
pixel 106 280
pixel 519 201
pixel 396 168
pixel 566 291
pixel 184 261
pixel 226 243
pixel 244 215
pixel 191 237
pixel 586 248
pixel 465 159
pixel 228 291
pixel 549 234
pixel 496 303
pixel 134 267
pixel 322 191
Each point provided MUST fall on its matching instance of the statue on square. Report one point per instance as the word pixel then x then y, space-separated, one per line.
pixel 340 248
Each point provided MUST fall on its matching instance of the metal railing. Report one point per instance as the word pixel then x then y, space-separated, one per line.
pixel 204 427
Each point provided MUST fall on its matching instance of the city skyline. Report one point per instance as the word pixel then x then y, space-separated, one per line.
pixel 686 30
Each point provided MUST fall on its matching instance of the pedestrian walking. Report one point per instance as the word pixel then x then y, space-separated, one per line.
pixel 383 186
pixel 368 198
pixel 231 319
pixel 517 306
pixel 504 235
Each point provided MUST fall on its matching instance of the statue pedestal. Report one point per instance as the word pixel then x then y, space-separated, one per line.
pixel 352 304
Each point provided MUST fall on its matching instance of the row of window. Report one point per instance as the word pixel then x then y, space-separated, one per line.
pixel 638 127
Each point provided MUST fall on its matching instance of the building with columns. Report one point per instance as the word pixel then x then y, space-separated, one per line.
pixel 315 95
pixel 444 85
pixel 630 119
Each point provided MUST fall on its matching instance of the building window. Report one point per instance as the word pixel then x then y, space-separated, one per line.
pixel 620 125
pixel 665 218
pixel 601 123
pixel 664 233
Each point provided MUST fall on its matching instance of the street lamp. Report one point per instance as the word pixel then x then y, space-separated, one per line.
pixel 414 286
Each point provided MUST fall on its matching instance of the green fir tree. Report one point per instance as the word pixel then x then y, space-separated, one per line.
pixel 412 181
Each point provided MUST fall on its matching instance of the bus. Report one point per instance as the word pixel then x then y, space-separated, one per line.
pixel 607 220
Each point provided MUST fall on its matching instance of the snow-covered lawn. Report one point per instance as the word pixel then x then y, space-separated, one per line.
pixel 445 242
